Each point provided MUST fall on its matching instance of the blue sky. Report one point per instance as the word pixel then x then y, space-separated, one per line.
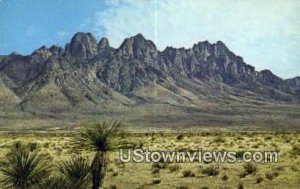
pixel 265 33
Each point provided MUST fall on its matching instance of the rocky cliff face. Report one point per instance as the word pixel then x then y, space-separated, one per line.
pixel 88 74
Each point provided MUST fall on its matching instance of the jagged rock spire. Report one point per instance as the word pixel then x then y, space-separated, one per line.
pixel 82 45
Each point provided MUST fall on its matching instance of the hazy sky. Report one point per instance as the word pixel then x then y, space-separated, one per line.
pixel 266 33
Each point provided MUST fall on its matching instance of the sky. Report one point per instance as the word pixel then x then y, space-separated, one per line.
pixel 265 33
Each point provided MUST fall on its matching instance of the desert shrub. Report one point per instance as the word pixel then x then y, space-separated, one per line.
pixel 259 180
pixel 141 145
pixel 269 176
pixel 174 168
pixel 179 137
pixel 156 181
pixel 295 150
pixel 224 177
pixel 287 140
pixel 46 145
pixel 268 138
pixel 188 173
pixel 275 174
pixel 211 171
pixel 250 168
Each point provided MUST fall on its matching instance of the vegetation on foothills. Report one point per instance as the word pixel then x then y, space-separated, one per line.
pixel 68 161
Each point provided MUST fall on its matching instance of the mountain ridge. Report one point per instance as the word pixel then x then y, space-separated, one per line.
pixel 90 76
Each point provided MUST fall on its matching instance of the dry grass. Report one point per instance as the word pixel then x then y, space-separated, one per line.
pixel 284 174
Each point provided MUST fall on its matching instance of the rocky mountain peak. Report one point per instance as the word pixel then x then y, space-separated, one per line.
pixel 221 48
pixel 138 47
pixel 202 44
pixel 56 50
pixel 205 49
pixel 41 54
pixel 82 46
pixel 103 43
pixel 202 49
pixel 42 50
pixel 220 44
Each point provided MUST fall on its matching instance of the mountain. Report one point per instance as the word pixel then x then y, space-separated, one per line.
pixel 88 78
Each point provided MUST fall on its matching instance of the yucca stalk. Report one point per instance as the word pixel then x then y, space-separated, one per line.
pixel 22 168
pixel 98 137
pixel 99 169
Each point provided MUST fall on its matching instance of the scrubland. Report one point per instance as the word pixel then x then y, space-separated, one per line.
pixel 56 147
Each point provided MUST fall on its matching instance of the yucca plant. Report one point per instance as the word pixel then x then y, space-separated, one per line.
pixel 99 137
pixel 22 168
pixel 75 172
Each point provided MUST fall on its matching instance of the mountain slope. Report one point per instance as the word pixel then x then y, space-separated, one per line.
pixel 92 78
